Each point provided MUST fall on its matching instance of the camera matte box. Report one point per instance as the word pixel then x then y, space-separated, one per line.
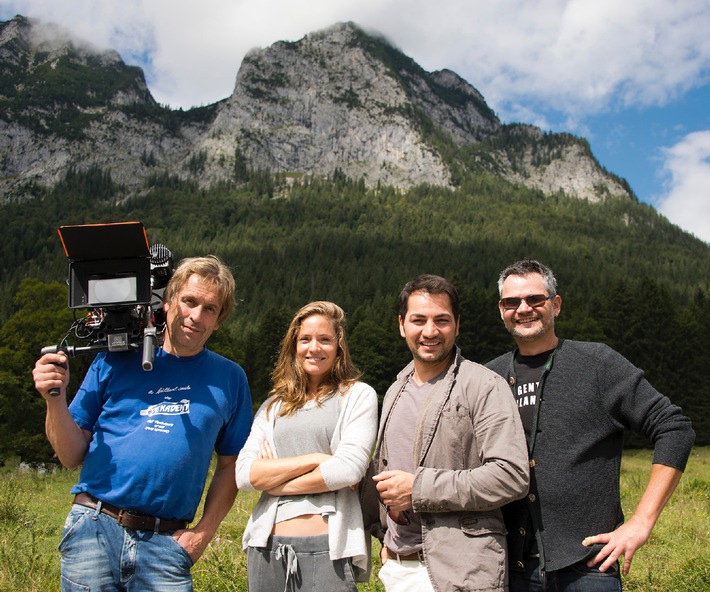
pixel 88 242
pixel 110 264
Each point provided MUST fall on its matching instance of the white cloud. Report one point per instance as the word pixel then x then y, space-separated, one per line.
pixel 576 56
pixel 687 202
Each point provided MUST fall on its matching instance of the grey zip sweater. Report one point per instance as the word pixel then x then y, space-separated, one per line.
pixel 589 395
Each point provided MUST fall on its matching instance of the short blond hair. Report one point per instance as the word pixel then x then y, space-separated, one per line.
pixel 211 269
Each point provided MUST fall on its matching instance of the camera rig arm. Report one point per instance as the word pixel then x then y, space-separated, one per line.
pixel 114 342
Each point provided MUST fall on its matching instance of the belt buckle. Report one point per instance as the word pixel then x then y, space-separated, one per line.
pixel 119 517
pixel 130 519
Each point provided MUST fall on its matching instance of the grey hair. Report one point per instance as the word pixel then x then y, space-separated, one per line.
pixel 526 266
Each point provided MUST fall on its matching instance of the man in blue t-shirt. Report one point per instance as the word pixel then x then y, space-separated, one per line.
pixel 145 440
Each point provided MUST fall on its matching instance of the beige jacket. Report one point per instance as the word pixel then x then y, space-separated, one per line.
pixel 472 459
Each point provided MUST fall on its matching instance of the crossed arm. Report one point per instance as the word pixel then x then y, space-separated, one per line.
pixel 287 476
pixel 258 468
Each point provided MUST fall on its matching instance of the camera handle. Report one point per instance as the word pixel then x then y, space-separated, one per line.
pixel 71 351
pixel 150 342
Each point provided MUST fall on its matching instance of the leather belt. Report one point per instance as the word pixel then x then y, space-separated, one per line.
pixel 418 556
pixel 130 518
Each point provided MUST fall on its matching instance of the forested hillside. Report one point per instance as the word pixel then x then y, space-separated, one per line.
pixel 627 276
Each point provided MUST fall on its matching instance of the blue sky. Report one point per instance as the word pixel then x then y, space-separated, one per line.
pixel 632 77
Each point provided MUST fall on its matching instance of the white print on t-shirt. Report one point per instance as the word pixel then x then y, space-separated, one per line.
pixel 167 407
pixel 170 389
pixel 155 425
pixel 525 395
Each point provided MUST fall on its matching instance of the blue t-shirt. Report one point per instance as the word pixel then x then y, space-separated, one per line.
pixel 154 431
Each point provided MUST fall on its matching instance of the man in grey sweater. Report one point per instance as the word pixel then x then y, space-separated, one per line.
pixel 575 400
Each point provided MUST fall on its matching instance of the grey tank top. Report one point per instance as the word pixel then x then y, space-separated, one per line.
pixel 308 430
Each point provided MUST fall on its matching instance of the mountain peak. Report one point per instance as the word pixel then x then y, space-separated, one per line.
pixel 341 99
pixel 42 43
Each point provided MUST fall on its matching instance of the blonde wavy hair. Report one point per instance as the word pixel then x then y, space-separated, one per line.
pixel 290 381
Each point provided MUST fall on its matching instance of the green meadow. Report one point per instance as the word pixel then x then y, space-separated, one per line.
pixel 33 507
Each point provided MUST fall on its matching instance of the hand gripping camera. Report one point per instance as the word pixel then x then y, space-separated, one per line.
pixel 120 281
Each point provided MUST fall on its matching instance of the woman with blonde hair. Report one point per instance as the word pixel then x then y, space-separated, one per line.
pixel 309 447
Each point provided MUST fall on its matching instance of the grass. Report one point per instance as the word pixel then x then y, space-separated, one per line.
pixel 677 556
pixel 33 507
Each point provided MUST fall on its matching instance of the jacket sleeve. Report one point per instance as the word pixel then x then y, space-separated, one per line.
pixel 351 455
pixel 495 468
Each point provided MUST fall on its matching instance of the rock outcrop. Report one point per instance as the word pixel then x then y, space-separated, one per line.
pixel 339 99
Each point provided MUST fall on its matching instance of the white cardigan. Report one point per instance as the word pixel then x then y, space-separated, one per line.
pixel 351 447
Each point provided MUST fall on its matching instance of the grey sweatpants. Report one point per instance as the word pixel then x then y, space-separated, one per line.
pixel 298 564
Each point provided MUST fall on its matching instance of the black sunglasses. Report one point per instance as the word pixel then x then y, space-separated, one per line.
pixel 534 300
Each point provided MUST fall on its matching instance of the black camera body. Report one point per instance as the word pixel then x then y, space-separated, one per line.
pixel 120 281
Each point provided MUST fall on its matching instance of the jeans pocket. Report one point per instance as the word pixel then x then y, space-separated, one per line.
pixel 384 570
pixel 582 570
pixel 66 585
pixel 179 549
pixel 74 520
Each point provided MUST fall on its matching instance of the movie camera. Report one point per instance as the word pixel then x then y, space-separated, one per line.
pixel 120 281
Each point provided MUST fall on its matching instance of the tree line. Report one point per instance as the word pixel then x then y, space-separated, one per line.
pixel 627 276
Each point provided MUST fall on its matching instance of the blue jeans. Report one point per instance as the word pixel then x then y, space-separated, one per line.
pixel 99 555
pixel 575 578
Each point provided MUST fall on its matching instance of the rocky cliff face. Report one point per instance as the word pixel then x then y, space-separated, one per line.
pixel 341 99
pixel 338 99
pixel 65 104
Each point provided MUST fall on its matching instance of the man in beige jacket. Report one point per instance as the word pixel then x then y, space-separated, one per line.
pixel 450 452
